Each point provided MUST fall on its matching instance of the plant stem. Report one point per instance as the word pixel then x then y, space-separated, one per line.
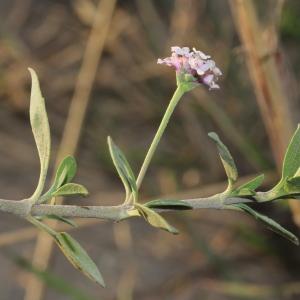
pixel 113 213
pixel 164 122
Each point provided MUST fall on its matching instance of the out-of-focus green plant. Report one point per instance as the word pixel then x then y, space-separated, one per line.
pixel 290 22
pixel 193 68
pixel 57 283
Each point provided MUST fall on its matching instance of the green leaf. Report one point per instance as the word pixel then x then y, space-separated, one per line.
pixel 155 219
pixel 297 174
pixel 72 250
pixel 168 204
pixel 271 224
pixel 65 172
pixel 226 158
pixel 69 189
pixel 123 168
pixel 61 219
pixel 254 183
pixel 290 169
pixel 291 161
pixel 295 182
pixel 36 221
pixel 292 187
pixel 41 132
pixel 248 188
pixel 243 193
pixel 78 257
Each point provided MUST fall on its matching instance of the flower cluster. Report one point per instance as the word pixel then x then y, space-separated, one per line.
pixel 197 65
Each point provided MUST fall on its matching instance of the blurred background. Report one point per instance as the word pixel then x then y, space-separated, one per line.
pixel 97 64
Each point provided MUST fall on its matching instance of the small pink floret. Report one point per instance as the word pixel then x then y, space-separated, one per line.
pixel 195 63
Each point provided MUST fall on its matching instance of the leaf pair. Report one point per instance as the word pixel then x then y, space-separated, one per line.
pixel 62 185
pixel 124 170
pixel 126 174
pixel 270 223
pixel 73 251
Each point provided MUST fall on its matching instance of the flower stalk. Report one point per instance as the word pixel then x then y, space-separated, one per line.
pixel 179 92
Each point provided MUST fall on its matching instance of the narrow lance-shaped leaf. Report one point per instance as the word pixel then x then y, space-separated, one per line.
pixel 297 174
pixel 295 181
pixel 292 187
pixel 70 189
pixel 78 257
pixel 271 224
pixel 249 187
pixel 41 132
pixel 226 158
pixel 155 219
pixel 290 169
pixel 61 219
pixel 168 204
pixel 36 221
pixel 72 250
pixel 123 168
pixel 291 161
pixel 64 174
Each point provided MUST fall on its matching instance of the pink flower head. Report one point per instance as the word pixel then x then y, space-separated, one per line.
pixel 196 64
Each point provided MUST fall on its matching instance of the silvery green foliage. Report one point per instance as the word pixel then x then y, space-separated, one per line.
pixel 62 186
pixel 226 158
pixel 288 186
pixel 41 132
pixel 234 197
pixel 124 170
pixel 247 190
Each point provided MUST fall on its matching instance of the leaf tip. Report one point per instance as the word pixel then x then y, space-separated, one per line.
pixel 296 241
pixel 102 283
pixel 174 231
pixel 213 135
pixel 32 73
pixel 84 192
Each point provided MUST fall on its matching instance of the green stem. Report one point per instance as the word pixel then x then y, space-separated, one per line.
pixel 164 122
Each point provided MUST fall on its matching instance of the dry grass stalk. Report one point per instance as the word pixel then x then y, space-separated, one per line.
pixel 269 88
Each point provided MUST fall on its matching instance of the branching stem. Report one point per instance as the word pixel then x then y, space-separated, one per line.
pixel 113 213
